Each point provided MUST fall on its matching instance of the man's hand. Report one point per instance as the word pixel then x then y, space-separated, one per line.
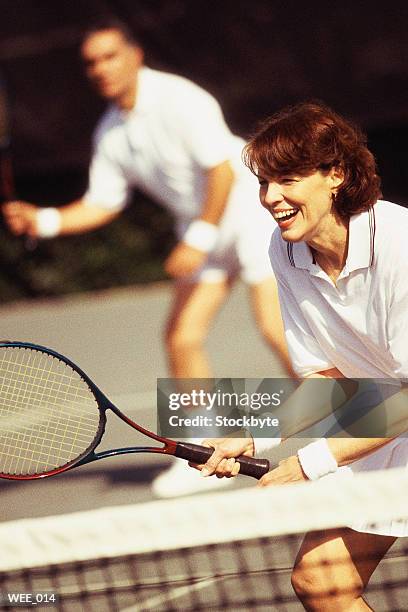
pixel 222 461
pixel 288 471
pixel 184 260
pixel 21 217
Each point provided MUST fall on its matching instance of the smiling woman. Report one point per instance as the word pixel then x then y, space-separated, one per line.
pixel 302 205
pixel 299 140
pixel 314 171
pixel 340 257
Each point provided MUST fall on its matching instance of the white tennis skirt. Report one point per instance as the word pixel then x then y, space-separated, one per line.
pixel 392 455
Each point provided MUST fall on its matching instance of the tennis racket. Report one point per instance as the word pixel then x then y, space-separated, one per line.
pixel 52 418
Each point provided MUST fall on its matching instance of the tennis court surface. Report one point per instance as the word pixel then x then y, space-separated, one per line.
pixel 229 551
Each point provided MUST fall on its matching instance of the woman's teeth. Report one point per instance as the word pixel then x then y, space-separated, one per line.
pixel 284 214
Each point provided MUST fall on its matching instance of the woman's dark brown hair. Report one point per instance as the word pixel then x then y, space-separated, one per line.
pixel 311 136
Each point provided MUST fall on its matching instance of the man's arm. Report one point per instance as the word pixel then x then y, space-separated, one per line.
pixel 219 183
pixel 77 217
pixel 191 252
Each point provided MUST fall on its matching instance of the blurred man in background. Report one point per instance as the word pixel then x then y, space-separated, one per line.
pixel 167 136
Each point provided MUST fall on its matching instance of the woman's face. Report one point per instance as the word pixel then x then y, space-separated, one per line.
pixel 302 206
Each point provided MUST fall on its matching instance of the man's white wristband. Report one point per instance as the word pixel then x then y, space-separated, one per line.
pixel 48 222
pixel 201 235
pixel 317 460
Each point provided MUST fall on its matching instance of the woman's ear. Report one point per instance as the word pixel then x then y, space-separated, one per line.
pixel 336 177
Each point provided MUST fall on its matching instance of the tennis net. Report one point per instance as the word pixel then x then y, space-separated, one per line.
pixel 224 551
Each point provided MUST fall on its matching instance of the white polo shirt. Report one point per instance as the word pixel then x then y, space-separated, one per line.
pixel 163 147
pixel 175 132
pixel 360 324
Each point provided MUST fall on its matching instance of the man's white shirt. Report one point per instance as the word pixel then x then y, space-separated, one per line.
pixel 175 133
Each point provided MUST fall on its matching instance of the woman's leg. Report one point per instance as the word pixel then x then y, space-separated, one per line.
pixel 333 568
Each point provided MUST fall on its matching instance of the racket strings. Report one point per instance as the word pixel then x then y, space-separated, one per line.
pixel 48 414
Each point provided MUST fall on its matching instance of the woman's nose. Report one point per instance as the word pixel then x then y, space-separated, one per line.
pixel 273 194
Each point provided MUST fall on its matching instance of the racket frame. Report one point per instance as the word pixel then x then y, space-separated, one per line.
pixel 187 451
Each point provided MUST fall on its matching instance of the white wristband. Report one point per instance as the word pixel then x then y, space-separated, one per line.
pixel 317 460
pixel 48 222
pixel 201 235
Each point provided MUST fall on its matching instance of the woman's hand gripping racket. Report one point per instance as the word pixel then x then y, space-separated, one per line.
pixel 52 418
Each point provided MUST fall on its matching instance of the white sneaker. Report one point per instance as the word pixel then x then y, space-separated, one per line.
pixel 180 479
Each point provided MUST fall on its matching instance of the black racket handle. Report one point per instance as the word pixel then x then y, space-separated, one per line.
pixel 200 454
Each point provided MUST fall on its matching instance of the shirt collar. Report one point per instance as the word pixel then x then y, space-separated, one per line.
pixel 145 94
pixel 361 241
pixel 360 248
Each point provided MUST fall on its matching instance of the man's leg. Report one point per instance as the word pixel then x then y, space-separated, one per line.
pixel 265 304
pixel 333 568
pixel 194 307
